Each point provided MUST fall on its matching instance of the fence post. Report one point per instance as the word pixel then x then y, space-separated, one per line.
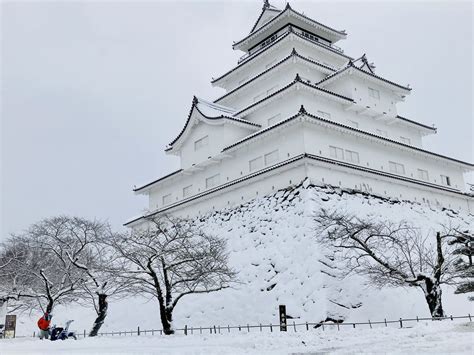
pixel 470 319
pixel 401 324
pixel 385 320
pixel 185 330
pixel 228 328
pixel 161 331
pixel 214 329
pixel 294 326
pixel 248 328
pixel 260 326
pixel 417 320
pixel 323 325
pixel 370 324
pixel 200 330
pixel 353 325
pixel 138 330
pixel 337 326
pixel 451 317
pixel 307 327
pixel 84 333
pixel 192 330
pixel 240 329
pixel 219 329
pixel 271 328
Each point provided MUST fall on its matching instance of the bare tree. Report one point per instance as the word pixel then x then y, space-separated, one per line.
pixel 172 258
pixel 104 276
pixel 44 271
pixel 390 254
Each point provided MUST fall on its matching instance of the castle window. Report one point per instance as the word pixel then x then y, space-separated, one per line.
pixel 396 168
pixel 274 119
pixel 374 93
pixel 325 115
pixel 271 157
pixel 405 140
pixel 187 190
pixel 200 143
pixel 352 156
pixel 212 181
pixel 255 164
pixel 423 174
pixel 336 152
pixel 166 199
pixel 445 180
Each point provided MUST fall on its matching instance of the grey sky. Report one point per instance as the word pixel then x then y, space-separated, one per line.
pixel 93 91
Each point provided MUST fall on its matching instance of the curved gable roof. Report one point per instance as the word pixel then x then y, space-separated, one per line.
pixel 211 113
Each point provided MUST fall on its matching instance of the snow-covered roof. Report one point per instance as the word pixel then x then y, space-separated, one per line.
pixel 211 113
pixel 352 68
pixel 211 109
pixel 291 32
pixel 294 54
pixel 321 91
pixel 267 8
pixel 288 15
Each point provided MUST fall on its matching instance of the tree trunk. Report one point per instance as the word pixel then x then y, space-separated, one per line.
pixel 101 314
pixel 166 315
pixel 49 307
pixel 433 297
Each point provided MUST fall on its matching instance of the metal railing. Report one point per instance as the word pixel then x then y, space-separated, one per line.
pixel 294 327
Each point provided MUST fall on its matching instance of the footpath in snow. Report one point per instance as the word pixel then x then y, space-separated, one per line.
pixel 424 337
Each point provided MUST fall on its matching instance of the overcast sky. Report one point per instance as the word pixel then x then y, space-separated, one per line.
pixel 93 91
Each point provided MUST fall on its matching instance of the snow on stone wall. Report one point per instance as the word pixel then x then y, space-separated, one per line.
pixel 271 244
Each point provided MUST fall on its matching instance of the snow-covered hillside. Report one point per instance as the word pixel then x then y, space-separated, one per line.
pixel 272 245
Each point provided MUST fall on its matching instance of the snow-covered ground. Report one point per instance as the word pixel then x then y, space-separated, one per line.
pixel 272 246
pixel 424 337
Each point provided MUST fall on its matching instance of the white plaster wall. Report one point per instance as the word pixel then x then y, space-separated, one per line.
pixel 219 136
pixel 308 137
pixel 376 155
pixel 289 144
pixel 289 105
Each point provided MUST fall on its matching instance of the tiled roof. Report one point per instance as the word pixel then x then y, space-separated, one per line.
pixel 302 112
pixel 350 65
pixel 266 7
pixel 417 123
pixel 295 81
pixel 291 161
pixel 157 180
pixel 221 112
pixel 292 54
pixel 291 31
pixel 288 9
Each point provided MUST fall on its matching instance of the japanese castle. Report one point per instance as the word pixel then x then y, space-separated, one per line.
pixel 297 107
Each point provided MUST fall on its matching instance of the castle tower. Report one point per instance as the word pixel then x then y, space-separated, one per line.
pixel 296 106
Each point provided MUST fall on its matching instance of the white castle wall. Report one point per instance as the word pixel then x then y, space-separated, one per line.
pixel 296 139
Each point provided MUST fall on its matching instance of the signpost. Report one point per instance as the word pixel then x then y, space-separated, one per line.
pixel 10 326
pixel 282 312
